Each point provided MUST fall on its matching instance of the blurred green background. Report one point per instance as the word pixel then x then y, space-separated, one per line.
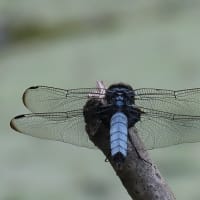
pixel 71 44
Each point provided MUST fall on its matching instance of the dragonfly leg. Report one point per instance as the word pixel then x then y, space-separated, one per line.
pixel 107 157
pixel 138 153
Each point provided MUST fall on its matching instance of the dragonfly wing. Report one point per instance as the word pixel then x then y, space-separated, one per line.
pixel 184 102
pixel 50 99
pixel 67 127
pixel 161 129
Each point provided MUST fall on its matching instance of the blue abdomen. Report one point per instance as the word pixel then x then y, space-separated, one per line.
pixel 118 136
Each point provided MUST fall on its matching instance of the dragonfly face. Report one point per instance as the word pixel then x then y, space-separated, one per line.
pixel 162 117
pixel 120 95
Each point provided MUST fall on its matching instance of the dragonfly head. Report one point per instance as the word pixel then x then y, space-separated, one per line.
pixel 120 95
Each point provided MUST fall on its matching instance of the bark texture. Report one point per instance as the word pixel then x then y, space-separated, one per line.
pixel 140 177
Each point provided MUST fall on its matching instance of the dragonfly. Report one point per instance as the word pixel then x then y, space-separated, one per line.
pixel 162 117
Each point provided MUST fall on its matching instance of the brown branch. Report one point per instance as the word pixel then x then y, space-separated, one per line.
pixel 140 177
pixel 142 180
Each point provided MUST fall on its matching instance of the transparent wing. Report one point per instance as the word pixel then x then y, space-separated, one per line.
pixel 50 99
pixel 161 129
pixel 67 127
pixel 185 102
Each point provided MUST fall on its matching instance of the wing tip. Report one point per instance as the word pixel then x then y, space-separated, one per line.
pixel 12 123
pixel 25 94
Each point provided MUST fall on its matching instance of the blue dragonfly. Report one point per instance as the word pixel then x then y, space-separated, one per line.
pixel 161 117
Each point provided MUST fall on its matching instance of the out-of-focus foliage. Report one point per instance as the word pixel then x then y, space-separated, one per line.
pixel 71 44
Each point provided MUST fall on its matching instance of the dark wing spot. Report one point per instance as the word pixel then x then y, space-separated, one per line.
pixel 19 116
pixel 34 87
